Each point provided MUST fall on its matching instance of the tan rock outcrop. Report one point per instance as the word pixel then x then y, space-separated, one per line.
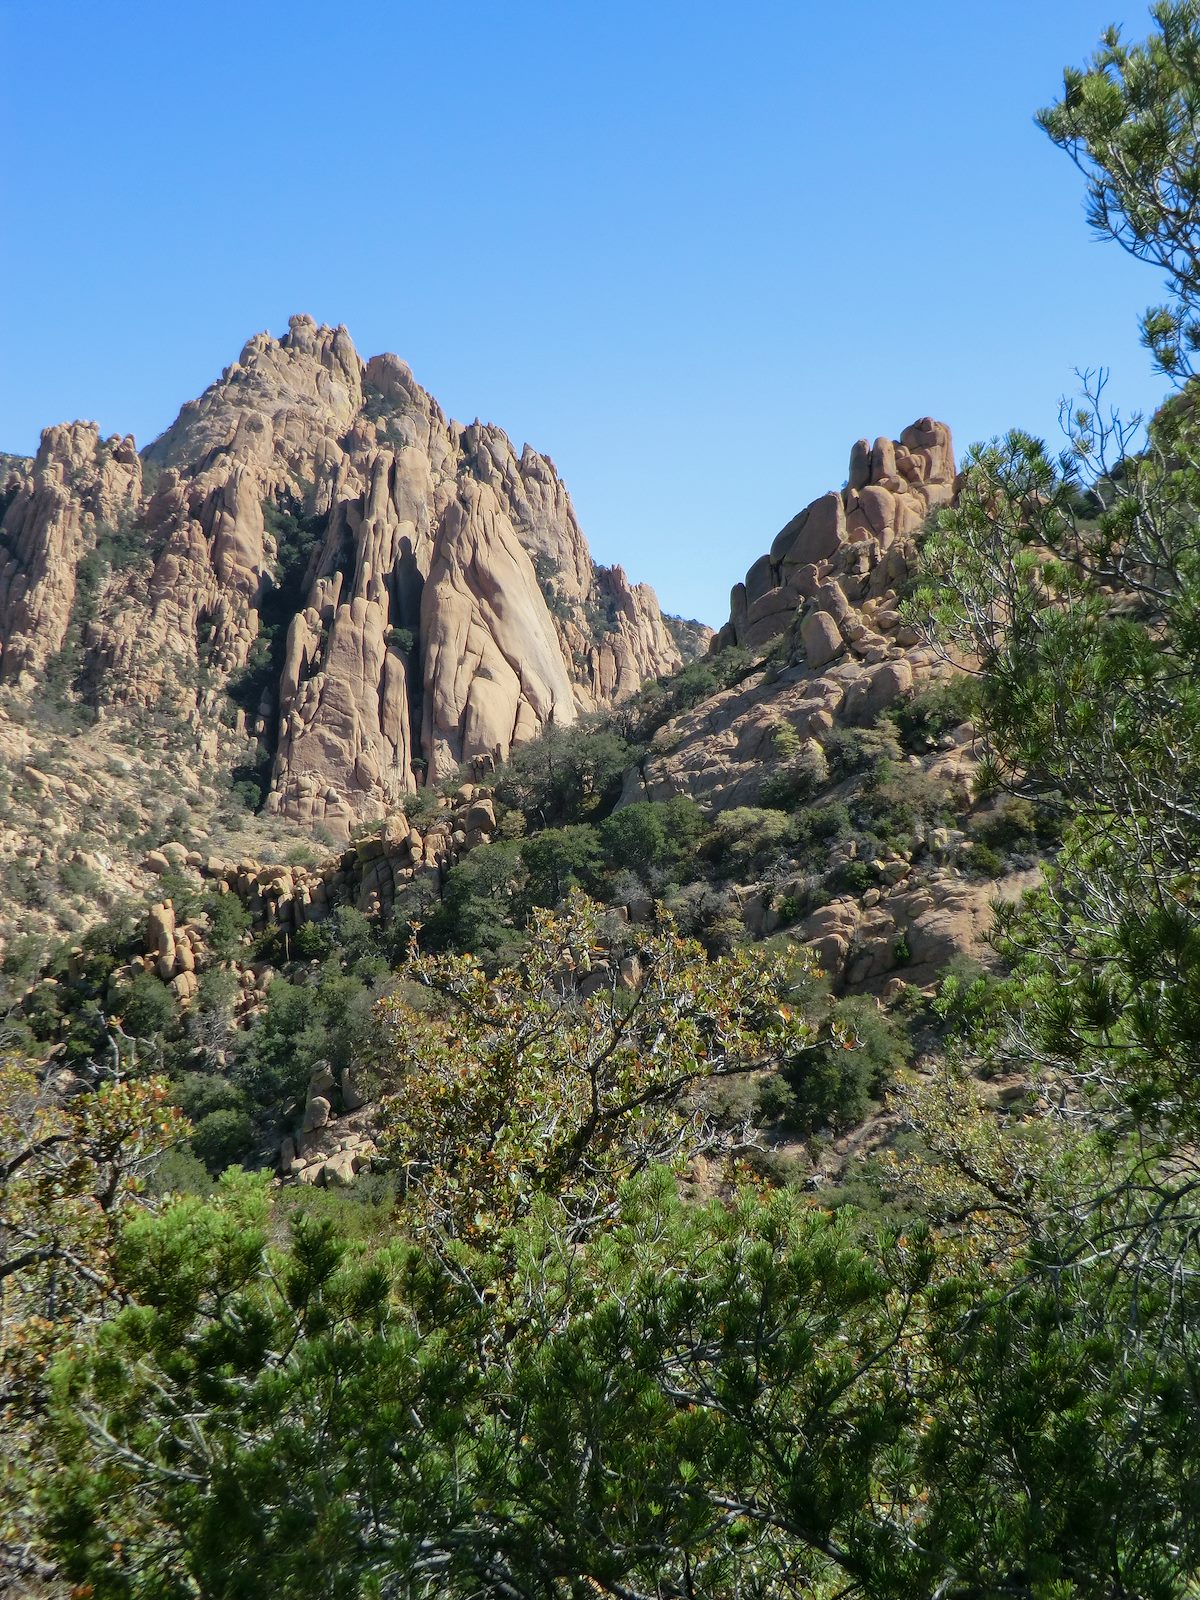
pixel 824 596
pixel 909 930
pixel 494 669
pixel 891 488
pixel 822 638
pixel 385 590
pixel 78 489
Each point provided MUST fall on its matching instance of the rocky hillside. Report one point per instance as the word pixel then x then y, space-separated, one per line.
pixel 314 592
pixel 822 605
pixel 812 776
pixel 383 592
pixel 844 722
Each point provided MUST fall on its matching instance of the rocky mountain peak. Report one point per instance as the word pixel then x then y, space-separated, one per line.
pixel 309 381
pixel 54 510
pixel 327 581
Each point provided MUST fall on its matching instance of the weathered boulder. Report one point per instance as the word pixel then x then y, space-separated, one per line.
pixel 321 1079
pixel 878 688
pixel 316 1113
pixel 338 1171
pixel 821 638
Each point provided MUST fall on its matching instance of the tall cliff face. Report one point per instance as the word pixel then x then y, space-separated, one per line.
pixel 380 592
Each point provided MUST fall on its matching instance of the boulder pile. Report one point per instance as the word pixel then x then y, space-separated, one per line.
pixel 333 1140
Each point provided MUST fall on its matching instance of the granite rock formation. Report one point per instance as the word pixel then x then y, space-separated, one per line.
pixel 827 654
pixel 55 510
pixel 860 539
pixel 823 602
pixel 321 578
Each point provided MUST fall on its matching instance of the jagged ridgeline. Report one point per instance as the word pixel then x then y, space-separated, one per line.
pixel 333 591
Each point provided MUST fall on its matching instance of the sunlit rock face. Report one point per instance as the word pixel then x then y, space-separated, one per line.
pixel 315 570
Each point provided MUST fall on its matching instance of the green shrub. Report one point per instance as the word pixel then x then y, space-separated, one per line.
pixel 216 991
pixel 852 877
pixel 227 920
pixel 277 1054
pixel 146 1006
pixel 684 824
pixel 312 941
pixel 476 909
pixel 969 998
pixel 693 683
pixel 184 893
pixel 748 838
pixel 853 750
pixel 365 1211
pixel 1017 824
pixel 199 1094
pixel 44 1008
pixel 180 1172
pixel 634 838
pixel 24 955
pixel 897 802
pixel 79 879
pixel 789 909
pixel 988 780
pixel 558 860
pixel 355 935
pixel 820 826
pixel 983 859
pixel 932 713
pixel 222 1138
pixel 652 835
pixel 655 704
pixel 833 1086
pixel 566 774
pixel 422 807
pixel 785 741
pixel 246 791
pixel 796 783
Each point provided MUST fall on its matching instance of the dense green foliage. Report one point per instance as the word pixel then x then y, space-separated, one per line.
pixel 566 1073
pixel 566 1343
pixel 1128 121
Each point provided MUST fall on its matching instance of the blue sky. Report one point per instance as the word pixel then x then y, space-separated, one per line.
pixel 691 251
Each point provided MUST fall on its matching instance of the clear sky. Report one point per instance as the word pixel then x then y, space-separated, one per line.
pixel 690 250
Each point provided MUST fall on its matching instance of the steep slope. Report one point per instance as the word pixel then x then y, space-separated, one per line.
pixel 825 598
pixel 381 592
pixel 878 864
